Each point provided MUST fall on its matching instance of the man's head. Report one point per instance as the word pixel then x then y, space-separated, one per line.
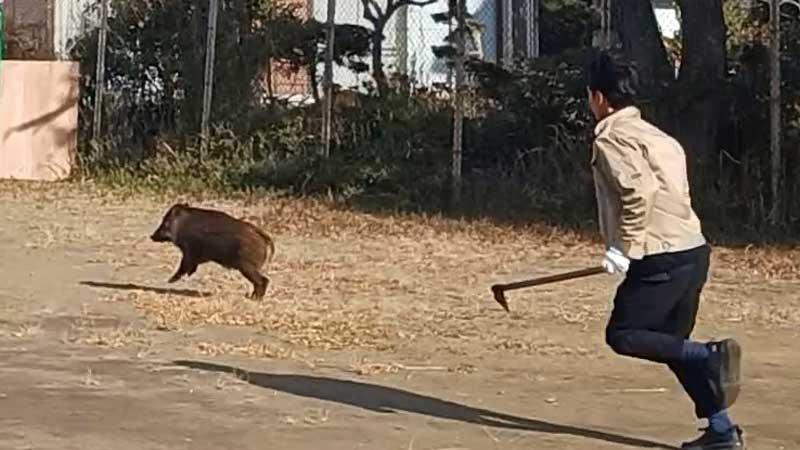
pixel 611 82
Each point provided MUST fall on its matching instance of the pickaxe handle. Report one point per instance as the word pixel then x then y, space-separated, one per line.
pixel 499 289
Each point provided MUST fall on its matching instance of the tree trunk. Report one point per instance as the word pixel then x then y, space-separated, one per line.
pixel 702 75
pixel 377 58
pixel 268 76
pixel 601 10
pixel 635 29
pixel 313 84
pixel 688 108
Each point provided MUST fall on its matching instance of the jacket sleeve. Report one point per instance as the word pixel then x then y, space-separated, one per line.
pixel 623 162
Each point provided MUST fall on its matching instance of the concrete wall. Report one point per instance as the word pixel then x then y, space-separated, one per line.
pixel 39 126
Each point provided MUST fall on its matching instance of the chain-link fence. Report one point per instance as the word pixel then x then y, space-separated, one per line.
pixel 266 55
pixel 412 30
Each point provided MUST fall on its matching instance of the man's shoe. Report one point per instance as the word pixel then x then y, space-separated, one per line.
pixel 711 440
pixel 724 362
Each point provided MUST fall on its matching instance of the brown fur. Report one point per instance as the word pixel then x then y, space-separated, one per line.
pixel 205 235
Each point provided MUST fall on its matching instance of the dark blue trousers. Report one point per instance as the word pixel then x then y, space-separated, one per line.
pixel 655 309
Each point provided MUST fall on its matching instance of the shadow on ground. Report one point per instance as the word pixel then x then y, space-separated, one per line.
pixel 136 287
pixel 382 399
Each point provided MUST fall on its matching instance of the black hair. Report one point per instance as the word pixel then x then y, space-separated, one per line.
pixel 614 75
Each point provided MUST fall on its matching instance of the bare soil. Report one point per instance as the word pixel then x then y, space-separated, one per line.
pixel 376 333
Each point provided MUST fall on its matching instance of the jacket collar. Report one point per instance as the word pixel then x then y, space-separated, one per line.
pixel 608 121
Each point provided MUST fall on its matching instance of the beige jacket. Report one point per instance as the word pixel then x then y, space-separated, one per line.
pixel 642 188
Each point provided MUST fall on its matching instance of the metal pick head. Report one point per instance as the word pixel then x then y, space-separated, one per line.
pixel 500 296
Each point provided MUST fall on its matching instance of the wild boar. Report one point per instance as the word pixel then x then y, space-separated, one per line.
pixel 205 235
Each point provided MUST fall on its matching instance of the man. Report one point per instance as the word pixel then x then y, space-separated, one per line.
pixel 653 236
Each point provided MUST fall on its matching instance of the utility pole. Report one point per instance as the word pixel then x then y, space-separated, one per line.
pixel 327 110
pixel 208 85
pixel 100 81
pixel 775 215
pixel 458 100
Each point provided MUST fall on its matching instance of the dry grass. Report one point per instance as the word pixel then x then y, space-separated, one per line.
pixel 251 349
pixel 25 330
pixel 317 219
pixel 117 338
pixel 344 280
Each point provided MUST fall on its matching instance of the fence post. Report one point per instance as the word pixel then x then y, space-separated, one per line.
pixel 401 39
pixel 534 27
pixel 775 109
pixel 458 100
pixel 327 110
pixel 2 31
pixel 100 82
pixel 208 87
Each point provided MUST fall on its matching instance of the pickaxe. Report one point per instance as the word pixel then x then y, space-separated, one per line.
pixel 499 290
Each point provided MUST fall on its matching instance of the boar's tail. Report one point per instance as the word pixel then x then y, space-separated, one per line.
pixel 269 242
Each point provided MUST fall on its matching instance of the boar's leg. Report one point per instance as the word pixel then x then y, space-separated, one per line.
pixel 259 281
pixel 187 267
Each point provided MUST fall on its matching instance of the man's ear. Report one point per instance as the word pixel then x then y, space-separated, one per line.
pixel 597 96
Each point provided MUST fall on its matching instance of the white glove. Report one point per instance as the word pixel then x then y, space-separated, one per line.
pixel 615 261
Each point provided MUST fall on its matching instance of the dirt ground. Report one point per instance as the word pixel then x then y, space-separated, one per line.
pixel 376 333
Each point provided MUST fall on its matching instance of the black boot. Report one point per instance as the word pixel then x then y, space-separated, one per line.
pixel 711 440
pixel 724 362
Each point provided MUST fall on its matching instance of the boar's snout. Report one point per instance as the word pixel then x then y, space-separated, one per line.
pixel 161 235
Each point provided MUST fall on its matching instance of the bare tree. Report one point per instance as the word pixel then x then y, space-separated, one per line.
pixel 379 17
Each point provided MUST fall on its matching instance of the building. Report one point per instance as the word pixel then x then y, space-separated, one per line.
pixel 44 29
pixel 507 28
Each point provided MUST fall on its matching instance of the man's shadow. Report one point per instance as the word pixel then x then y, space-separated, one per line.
pixel 382 399
pixel 136 287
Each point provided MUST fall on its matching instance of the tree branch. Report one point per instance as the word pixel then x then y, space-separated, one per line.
pixel 392 7
pixel 795 3
pixel 372 11
pixel 415 2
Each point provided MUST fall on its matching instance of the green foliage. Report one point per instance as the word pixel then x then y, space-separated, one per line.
pixel 565 24
pixel 394 149
pixel 741 178
pixel 156 55
pixel 527 129
pixel 533 140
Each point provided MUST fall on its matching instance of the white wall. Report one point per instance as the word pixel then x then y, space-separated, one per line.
pixel 69 22
pixel 668 21
pixel 352 12
pixel 422 34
